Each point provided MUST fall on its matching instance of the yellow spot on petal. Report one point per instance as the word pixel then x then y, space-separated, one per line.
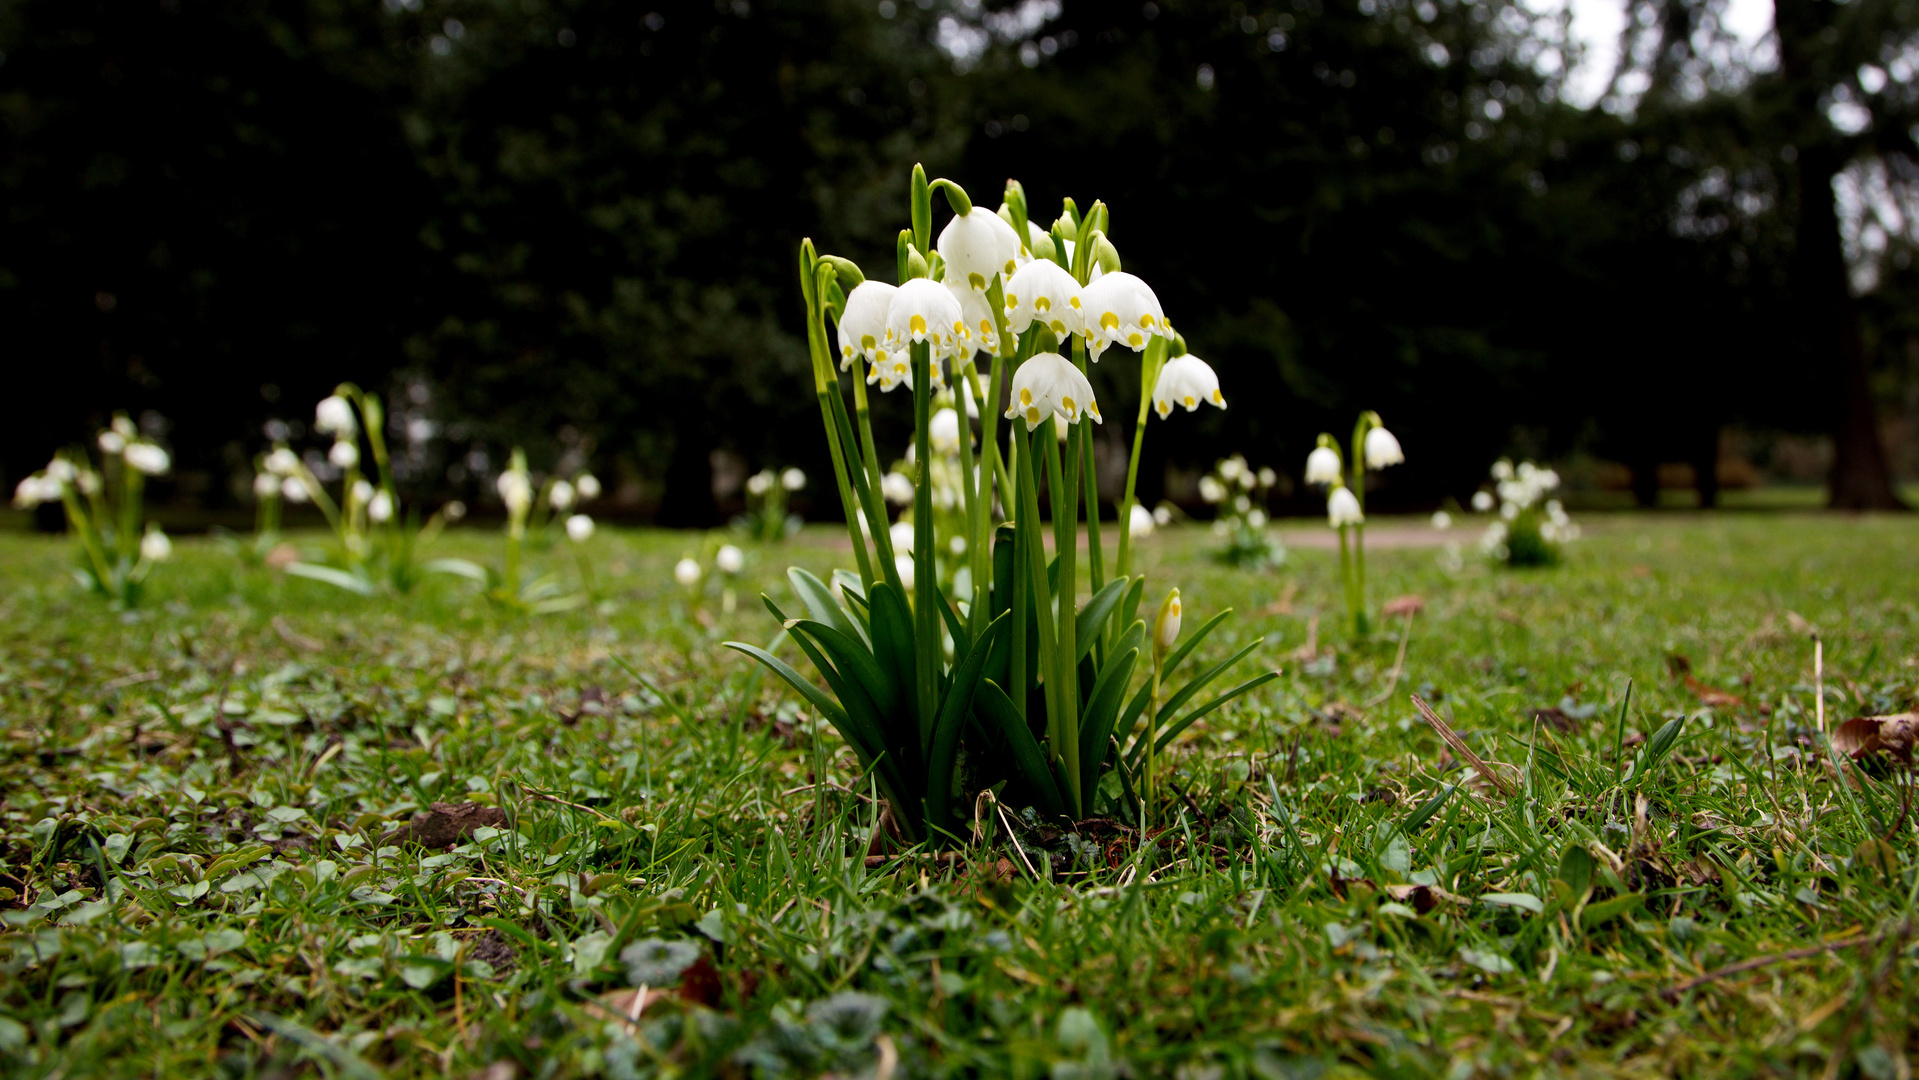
pixel 1042 304
pixel 1071 409
pixel 1146 320
pixel 1074 301
pixel 1032 416
pixel 977 281
pixel 1010 267
pixel 1110 321
pixel 1012 302
pixel 1058 326
pixel 867 343
pixel 1165 408
pixel 918 326
pixel 1135 340
pixel 1217 398
pixel 1189 403
pixel 1025 396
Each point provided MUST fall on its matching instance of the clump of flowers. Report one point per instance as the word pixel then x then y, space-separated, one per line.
pixel 1533 528
pixel 533 513
pixel 1238 492
pixel 766 518
pixel 105 509
pixel 1373 447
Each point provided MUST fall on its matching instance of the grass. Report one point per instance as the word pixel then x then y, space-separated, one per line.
pixel 204 879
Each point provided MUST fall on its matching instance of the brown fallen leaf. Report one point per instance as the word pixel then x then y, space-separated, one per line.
pixel 1681 667
pixel 1863 735
pixel 625 1005
pixel 1446 732
pixel 1556 718
pixel 1281 606
pixel 282 556
pixel 294 638
pixel 446 825
pixel 1404 605
pixel 700 983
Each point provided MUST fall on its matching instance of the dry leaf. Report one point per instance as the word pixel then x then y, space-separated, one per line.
pixel 446 825
pixel 1404 605
pixel 282 556
pixel 1556 718
pixel 1864 735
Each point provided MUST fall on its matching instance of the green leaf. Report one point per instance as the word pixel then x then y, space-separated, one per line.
pixel 1191 690
pixel 997 712
pixel 820 604
pixel 893 640
pixel 943 754
pixel 353 583
pixel 1426 810
pixel 865 743
pixel 1576 869
pixel 1172 730
pixel 1657 749
pixel 457 567
pixel 962 641
pixel 1092 617
pixel 1596 914
pixel 850 656
pixel 1487 961
pixel 1102 704
pixel 1514 899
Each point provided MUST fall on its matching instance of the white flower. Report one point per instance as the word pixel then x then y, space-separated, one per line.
pixel 454 510
pixel 1482 501
pixel 1186 380
pixel 1048 384
pixel 266 486
pixel 1140 521
pixel 293 490
pixel 148 458
pixel 759 483
pixel 976 331
pixel 154 546
pixel 516 491
pixel 1322 466
pixel 1267 477
pixel 334 416
pixel 380 507
pixel 904 565
pixel 111 441
pixel 1162 516
pixel 1043 290
pixel 1343 509
pixel 282 462
pixel 1120 309
pixel 901 534
pixel 897 487
pixel 793 480
pixel 862 327
pixel 730 559
pixel 1256 519
pixel 1211 489
pixel 123 427
pixel 945 432
pixel 88 482
pixel 686 572
pixel 1442 520
pixel 956 545
pixel 36 489
pixel 587 485
pixel 579 528
pixel 1502 469
pixel 1382 449
pixel 921 311
pixel 1242 504
pixel 978 246
pixel 362 492
pixel 1230 468
pixel 561 495
pixel 61 470
pixel 1166 624
pixel 1509 510
pixel 344 455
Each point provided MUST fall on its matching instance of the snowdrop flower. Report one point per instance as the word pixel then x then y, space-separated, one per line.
pixel 579 528
pixel 1442 520
pixel 897 488
pixel 1322 466
pixel 1382 449
pixel 282 462
pixel 976 330
pixel 148 458
pixel 561 495
pixel 1120 309
pixel 293 490
pixel 266 486
pixel 344 455
pixel 978 246
pixel 587 485
pixel 1048 384
pixel 1343 509
pixel 1186 380
pixel 380 507
pixel 730 559
pixel 862 327
pixel 516 491
pixel 903 564
pixel 945 431
pixel 1043 290
pixel 1211 489
pixel 362 492
pixel 454 510
pixel 759 483
pixel 921 312
pixel 111 441
pixel 793 480
pixel 901 534
pixel 1482 501
pixel 334 416
pixel 1140 522
pixel 686 572
pixel 154 546
pixel 1166 624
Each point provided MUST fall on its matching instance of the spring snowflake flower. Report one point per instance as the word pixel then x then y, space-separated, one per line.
pixel 1482 501
pixel 793 480
pixel 760 483
pixel 1166 624
pixel 1342 508
pixel 148 458
pixel 1211 490
pixel 976 332
pixel 282 462
pixel 1382 449
pixel 344 455
pixel 978 246
pixel 334 416
pixel 587 485
pixel 293 490
pixel 111 441
pixel 729 559
pixel 362 492
pixel 154 546
pixel 561 495
pixel 36 489
pixel 1049 384
pixel 901 533
pixel 904 565
pixel 454 510
pixel 1140 522
pixel 862 329
pixel 1186 380
pixel 1442 520
pixel 945 428
pixel 1322 466
pixel 1043 290
pixel 1120 309
pixel 687 572
pixel 897 488
pixel 921 312
pixel 266 486
pixel 579 528
pixel 516 491
pixel 380 508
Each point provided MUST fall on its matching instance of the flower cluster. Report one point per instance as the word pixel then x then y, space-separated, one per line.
pixel 104 508
pixel 1532 527
pixel 1239 491
pixel 766 494
pixel 1373 447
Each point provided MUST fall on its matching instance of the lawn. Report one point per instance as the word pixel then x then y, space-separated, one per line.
pixel 212 864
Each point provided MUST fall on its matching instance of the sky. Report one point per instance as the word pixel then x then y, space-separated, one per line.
pixel 1597 24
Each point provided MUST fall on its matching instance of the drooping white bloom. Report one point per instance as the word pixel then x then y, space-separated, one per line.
pixel 516 491
pixel 977 331
pixel 759 483
pixel 1043 290
pixel 921 311
pixel 945 431
pixel 282 462
pixel 1342 508
pixel 1256 518
pixel 36 489
pixel 730 559
pixel 111 441
pixel 1502 469
pixel 587 485
pixel 956 545
pixel 362 492
pixel 561 495
pixel 1120 309
pixel 61 470
pixel 897 488
pixel 1382 449
pixel 380 507
pixel 1211 489
pixel 1166 624
pixel 154 546
pixel 793 480
pixel 148 458
pixel 1231 468
pixel 862 327
pixel 1186 380
pixel 687 572
pixel 266 486
pixel 1482 501
pixel 1140 521
pixel 901 533
pixel 1322 466
pixel 1049 384
pixel 1442 520
pixel 88 482
pixel 903 564
pixel 334 416
pixel 1267 477
pixel 978 246
pixel 579 528
pixel 294 490
pixel 344 455
pixel 454 510
pixel 1162 516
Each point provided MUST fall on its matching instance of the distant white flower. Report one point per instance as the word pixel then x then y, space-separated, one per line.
pixel 956 545
pixel 36 489
pixel 1343 509
pixel 61 470
pixel 454 510
pixel 516 491
pixel 1509 510
pixel 862 329
pixel 1442 520
pixel 579 528
pixel 1382 449
pixel 945 431
pixel 334 416
pixel 1043 290
pixel 903 563
pixel 282 462
pixel 1482 501
pixel 561 495
pixel 1048 384
pixel 380 507
pixel 1120 309
pixel 901 533
pixel 1186 380
pixel 1256 518
pixel 793 480
pixel 154 546
pixel 111 441
pixel 88 482
pixel 1267 477
pixel 294 490
pixel 123 427
pixel 978 246
pixel 1140 521
pixel 344 455
pixel 1162 516
pixel 1502 469
pixel 1242 504
pixel 1230 468
pixel 730 559
pixel 897 487
pixel 148 458
pixel 587 485
pixel 759 483
pixel 362 492
pixel 1211 489
pixel 921 312
pixel 687 572
pixel 1322 466
pixel 266 486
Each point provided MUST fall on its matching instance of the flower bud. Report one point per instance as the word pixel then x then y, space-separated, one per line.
pixel 561 495
pixel 1166 624
pixel 579 528
pixel 154 546
pixel 1382 449
pixel 1140 521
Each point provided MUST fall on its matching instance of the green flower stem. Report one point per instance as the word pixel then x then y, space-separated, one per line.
pixel 132 485
pixel 1147 782
pixel 1065 493
pixel 875 502
pixel 926 618
pixel 849 505
pixel 969 493
pixel 826 387
pixel 980 489
pixel 90 540
pixel 1346 573
pixel 1089 471
pixel 1034 553
pixel 1125 558
pixel 1356 462
pixel 1016 681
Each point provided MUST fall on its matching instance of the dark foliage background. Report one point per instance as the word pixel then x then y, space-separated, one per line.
pixel 571 224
